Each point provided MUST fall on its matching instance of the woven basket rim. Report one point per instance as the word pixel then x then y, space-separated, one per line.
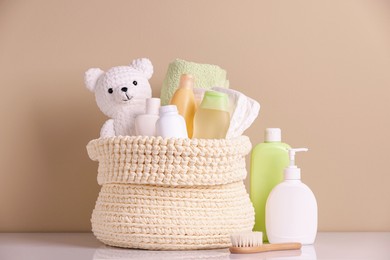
pixel 196 142
pixel 169 161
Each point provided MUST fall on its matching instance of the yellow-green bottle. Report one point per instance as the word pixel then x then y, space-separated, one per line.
pixel 212 119
pixel 268 161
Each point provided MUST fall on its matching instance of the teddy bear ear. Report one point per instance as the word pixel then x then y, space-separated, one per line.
pixel 91 77
pixel 143 65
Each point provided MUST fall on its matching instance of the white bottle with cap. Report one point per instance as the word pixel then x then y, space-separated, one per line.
pixel 146 124
pixel 171 124
pixel 291 209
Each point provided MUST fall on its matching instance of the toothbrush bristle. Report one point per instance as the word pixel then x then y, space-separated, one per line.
pixel 247 239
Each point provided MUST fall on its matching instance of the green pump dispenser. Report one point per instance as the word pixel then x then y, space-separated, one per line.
pixel 268 160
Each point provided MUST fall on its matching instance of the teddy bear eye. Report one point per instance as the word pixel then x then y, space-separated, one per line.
pixel 110 90
pixel 135 83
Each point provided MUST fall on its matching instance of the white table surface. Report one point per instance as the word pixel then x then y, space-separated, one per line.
pixel 328 245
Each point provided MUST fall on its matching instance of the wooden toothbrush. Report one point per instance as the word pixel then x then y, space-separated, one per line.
pixel 252 242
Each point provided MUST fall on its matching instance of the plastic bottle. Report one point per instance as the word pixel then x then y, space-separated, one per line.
pixel 291 211
pixel 146 124
pixel 212 119
pixel 184 99
pixel 268 160
pixel 170 123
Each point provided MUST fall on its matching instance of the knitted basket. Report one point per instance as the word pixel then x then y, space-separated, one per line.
pixel 170 194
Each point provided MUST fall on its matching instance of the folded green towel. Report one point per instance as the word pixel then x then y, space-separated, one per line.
pixel 206 76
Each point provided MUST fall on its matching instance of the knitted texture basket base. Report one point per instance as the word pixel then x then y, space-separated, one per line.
pixel 170 194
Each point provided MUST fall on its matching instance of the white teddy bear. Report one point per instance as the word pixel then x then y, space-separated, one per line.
pixel 120 94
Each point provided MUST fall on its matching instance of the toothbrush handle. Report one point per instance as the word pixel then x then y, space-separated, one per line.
pixel 280 246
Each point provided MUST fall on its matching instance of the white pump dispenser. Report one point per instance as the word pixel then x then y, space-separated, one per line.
pixel 291 209
pixel 292 172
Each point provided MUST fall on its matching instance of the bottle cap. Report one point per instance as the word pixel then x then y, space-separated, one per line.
pixel 199 93
pixel 186 81
pixel 152 106
pixel 168 109
pixel 273 135
pixel 215 100
pixel 292 172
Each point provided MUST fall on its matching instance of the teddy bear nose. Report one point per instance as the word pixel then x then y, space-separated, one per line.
pixel 124 89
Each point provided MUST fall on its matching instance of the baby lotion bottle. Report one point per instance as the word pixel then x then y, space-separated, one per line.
pixel 184 99
pixel 291 210
pixel 268 160
pixel 212 119
pixel 170 123
pixel 146 124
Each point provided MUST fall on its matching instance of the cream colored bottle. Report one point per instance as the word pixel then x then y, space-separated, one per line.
pixel 145 124
pixel 212 119
pixel 185 101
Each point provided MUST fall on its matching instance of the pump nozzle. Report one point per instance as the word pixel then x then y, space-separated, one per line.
pixel 291 154
pixel 292 171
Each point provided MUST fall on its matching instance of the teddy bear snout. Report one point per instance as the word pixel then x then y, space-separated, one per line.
pixel 124 89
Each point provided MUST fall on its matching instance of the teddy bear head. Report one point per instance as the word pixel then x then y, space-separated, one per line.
pixel 121 86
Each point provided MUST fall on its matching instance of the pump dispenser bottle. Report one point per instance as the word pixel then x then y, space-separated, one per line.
pixel 268 160
pixel 291 210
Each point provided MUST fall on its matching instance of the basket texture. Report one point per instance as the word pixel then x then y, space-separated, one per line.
pixel 170 194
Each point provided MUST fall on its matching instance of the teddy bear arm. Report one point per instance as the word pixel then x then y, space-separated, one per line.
pixel 107 129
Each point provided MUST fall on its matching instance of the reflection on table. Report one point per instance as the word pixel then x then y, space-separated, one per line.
pixel 107 252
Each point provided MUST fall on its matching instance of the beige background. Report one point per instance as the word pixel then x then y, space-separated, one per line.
pixel 320 69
